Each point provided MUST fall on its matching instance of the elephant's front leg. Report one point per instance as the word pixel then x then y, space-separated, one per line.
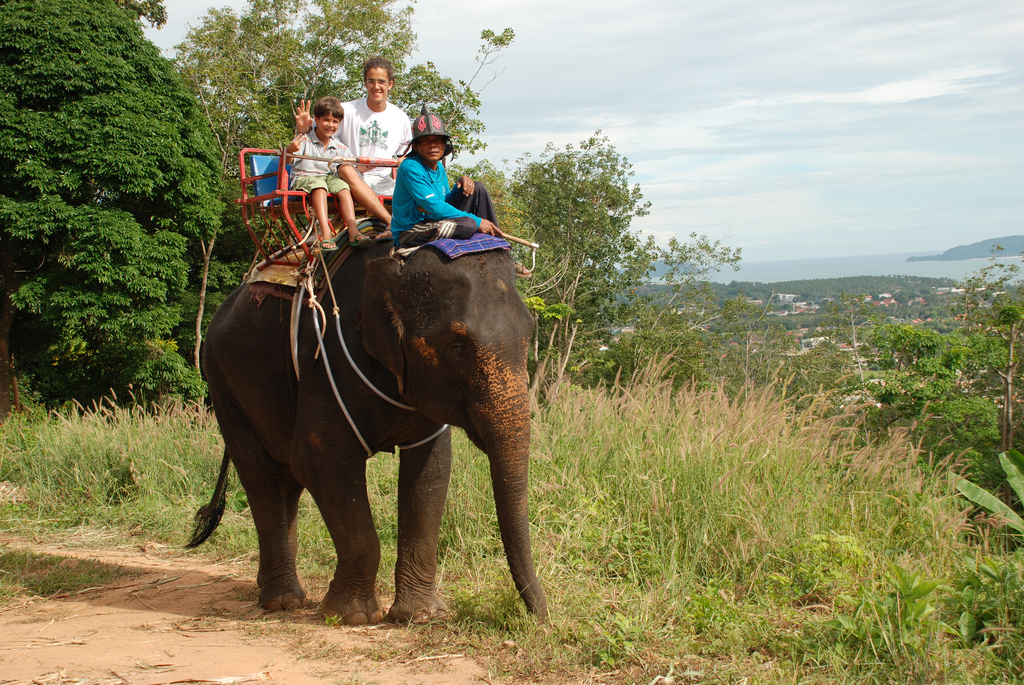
pixel 423 477
pixel 339 489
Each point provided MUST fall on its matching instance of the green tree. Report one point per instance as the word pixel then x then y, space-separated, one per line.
pixel 670 323
pixel 752 346
pixel 992 310
pixel 249 70
pixel 928 383
pixel 920 366
pixel 153 11
pixel 689 268
pixel 499 186
pixel 107 168
pixel 456 101
pixel 579 203
pixel 820 371
pixel 846 322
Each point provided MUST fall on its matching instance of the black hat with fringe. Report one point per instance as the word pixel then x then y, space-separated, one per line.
pixel 429 124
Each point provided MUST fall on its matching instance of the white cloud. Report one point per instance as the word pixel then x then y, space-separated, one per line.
pixel 928 86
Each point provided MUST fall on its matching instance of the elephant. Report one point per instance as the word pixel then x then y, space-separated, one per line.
pixel 447 339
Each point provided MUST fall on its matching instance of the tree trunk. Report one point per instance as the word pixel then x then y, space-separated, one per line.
pixel 538 376
pixel 1011 371
pixel 1006 414
pixel 856 347
pixel 540 371
pixel 1007 422
pixel 1006 427
pixel 14 390
pixel 536 337
pixel 6 321
pixel 207 256
pixel 563 357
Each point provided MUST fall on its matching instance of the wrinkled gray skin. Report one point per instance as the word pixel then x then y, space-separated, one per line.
pixel 447 337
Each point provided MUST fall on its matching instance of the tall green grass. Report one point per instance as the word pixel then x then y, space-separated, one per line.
pixel 111 466
pixel 689 531
pixel 675 532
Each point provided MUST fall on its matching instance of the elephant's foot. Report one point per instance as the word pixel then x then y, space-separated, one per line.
pixel 281 599
pixel 353 609
pixel 418 609
pixel 283 594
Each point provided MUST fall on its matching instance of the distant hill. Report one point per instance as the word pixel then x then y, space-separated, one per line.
pixel 1012 245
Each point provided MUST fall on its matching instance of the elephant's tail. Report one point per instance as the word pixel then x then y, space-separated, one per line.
pixel 208 517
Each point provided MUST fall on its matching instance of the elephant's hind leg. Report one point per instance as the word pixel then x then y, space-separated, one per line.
pixel 274 500
pixel 423 477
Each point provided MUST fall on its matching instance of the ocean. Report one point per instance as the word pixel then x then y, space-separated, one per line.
pixel 863 265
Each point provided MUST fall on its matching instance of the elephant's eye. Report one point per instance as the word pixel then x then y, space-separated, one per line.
pixel 456 350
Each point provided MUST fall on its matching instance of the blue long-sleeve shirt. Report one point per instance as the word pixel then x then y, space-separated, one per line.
pixel 418 187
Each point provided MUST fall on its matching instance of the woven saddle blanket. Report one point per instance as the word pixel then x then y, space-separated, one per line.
pixel 454 248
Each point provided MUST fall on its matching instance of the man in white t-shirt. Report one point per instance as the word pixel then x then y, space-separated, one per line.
pixel 373 127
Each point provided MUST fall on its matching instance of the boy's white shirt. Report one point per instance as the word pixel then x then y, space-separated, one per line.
pixel 312 146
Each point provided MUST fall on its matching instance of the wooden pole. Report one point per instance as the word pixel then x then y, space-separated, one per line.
pixel 521 241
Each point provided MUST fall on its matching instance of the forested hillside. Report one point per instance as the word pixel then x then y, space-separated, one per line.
pixel 901 287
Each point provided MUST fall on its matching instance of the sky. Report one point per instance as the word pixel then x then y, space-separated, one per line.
pixel 789 128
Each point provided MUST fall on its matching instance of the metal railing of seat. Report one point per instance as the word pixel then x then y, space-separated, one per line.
pixel 270 209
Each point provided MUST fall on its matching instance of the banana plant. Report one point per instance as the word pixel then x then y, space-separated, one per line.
pixel 1013 464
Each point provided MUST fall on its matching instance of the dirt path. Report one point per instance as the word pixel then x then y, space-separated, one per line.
pixel 172 619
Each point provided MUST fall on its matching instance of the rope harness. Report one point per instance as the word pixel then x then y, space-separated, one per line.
pixel 320 315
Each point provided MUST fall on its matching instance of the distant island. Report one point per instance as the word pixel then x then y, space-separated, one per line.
pixel 1012 245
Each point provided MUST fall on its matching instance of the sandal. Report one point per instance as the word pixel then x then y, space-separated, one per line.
pixel 522 271
pixel 361 242
pixel 328 245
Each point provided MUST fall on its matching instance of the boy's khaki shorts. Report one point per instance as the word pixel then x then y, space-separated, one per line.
pixel 332 184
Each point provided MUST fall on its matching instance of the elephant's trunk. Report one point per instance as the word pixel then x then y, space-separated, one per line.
pixel 501 415
pixel 509 471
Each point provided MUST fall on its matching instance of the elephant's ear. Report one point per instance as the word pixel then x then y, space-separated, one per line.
pixel 381 316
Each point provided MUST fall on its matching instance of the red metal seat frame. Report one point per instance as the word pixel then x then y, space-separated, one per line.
pixel 270 218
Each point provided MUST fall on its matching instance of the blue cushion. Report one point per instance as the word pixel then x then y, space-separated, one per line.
pixel 266 164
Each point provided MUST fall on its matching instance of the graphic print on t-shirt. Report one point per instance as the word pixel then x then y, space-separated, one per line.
pixel 373 135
